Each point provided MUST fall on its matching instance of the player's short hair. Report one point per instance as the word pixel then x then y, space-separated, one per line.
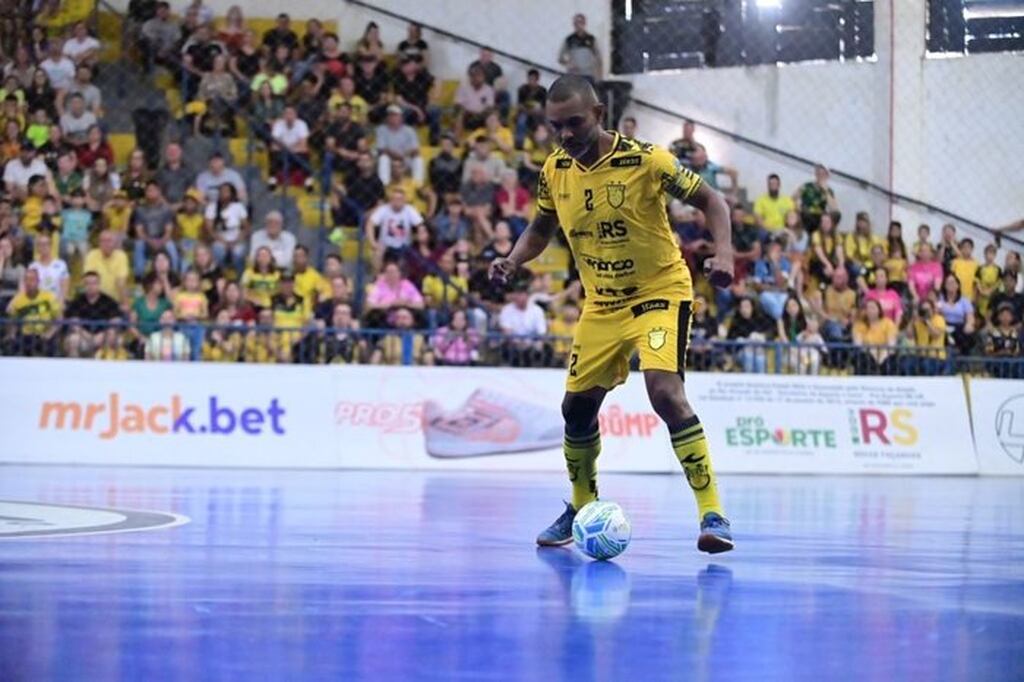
pixel 566 87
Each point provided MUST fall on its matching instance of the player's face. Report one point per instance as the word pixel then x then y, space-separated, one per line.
pixel 575 124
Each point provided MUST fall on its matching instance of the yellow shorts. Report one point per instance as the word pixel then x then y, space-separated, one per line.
pixel 657 328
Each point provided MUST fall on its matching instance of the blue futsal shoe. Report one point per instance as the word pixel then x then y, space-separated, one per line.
pixel 714 534
pixel 559 532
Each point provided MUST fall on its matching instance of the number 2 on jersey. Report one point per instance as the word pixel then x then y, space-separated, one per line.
pixel 573 359
pixel 588 199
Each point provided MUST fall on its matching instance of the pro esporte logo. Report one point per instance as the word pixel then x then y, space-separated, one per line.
pixel 759 432
pixel 115 417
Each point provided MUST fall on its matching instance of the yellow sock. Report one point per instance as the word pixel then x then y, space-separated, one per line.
pixel 691 448
pixel 581 461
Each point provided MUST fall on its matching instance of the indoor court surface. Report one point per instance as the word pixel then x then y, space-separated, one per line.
pixel 340 575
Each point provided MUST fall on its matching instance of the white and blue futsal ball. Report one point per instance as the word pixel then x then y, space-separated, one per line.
pixel 601 530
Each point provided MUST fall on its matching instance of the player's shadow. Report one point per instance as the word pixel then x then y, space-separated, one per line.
pixel 596 591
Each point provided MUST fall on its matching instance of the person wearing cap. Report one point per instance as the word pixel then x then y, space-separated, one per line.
pixel 273 236
pixel 217 173
pixel 396 140
pixel 20 170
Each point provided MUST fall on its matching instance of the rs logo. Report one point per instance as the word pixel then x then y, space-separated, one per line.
pixel 611 230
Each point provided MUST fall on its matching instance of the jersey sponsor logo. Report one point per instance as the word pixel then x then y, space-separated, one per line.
pixel 563 163
pixel 601 265
pixel 543 191
pixel 647 306
pixel 612 292
pixel 625 161
pixel 611 230
pixel 616 193
pixel 656 338
pixel 580 234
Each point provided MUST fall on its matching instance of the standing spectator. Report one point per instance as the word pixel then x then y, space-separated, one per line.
pixel 959 314
pixel 153 225
pixel 273 236
pixel 396 140
pixel 191 307
pixel 895 236
pixel 414 91
pixel 52 271
pixel 580 54
pixel 815 199
pixel 524 325
pixel 390 227
pixel 888 299
pixel 160 37
pixel 174 177
pixel 513 202
pixel 413 46
pixel 446 169
pixel 87 317
pixel 37 313
pixel 771 208
pixel 167 344
pixel 988 278
pixel 478 196
pixel 217 174
pixel 686 145
pixel 111 266
pixel 290 150
pixel 58 67
pixel 965 268
pixel 750 331
pixel 896 268
pixel 227 223
pixel 456 344
pixel 876 336
pixel 791 323
pixel 925 275
pixel 473 99
pixel 948 248
pixel 924 236
pixel 82 48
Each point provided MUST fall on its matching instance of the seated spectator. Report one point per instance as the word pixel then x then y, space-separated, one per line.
pixel 162 270
pixel 227 224
pixel 709 171
pixel 772 276
pixel 392 290
pixel 211 276
pixel 390 227
pixel 502 141
pixel 38 131
pixel 224 341
pixel 446 169
pixel 245 61
pixel 22 67
pixel 136 176
pixel 772 207
pixel 341 294
pixel 82 48
pixel 1003 341
pixel 827 251
pixel 88 316
pixel 112 347
pixel 876 337
pixel 273 236
pixel 189 225
pixel 790 324
pixel 924 236
pixel 234 303
pixel 218 91
pixel 191 307
pixel 812 348
pixel 310 285
pixel 483 156
pixel 958 311
pixel 67 178
pixel 989 275
pixel 420 196
pixel 197 57
pixel 494 77
pixel 702 354
pixel 414 90
pixel 530 100
pixel 59 68
pixel 513 202
pixel 866 277
pixel 153 227
pixel 116 212
pixel 627 127
pixel 456 343
pixel 948 249
pixel 413 46
pixel 231 32
pixel 683 147
pixel 836 307
pixel 147 308
pixel 814 199
pixel 346 94
pixel 37 314
pixel 562 330
pixel 167 344
pixel 344 139
pixel 11 144
pixel 395 140
pixel 858 244
pixel 500 246
pixel 888 299
pixel 160 38
pixel 452 225
pixel 341 342
pixel 95 148
pixel 327 56
pixel 965 268
pixel 20 170
pixel 111 266
pixel 746 242
pixel 260 345
pixel 524 326
pixel 311 106
pixel 536 149
pixel 422 257
pixel 289 155
pixel 76 225
pixel 925 275
pixel 290 317
pixel 12 271
pixel 474 98
pixel 478 196
pixel 84 88
pixel 749 330
pixel 53 272
pixel 1007 293
pixel 55 148
pixel 444 288
pixel 371 83
pixel 260 279
pixel 896 267
pixel 403 346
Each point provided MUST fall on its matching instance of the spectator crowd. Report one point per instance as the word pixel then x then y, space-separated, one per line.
pixel 163 261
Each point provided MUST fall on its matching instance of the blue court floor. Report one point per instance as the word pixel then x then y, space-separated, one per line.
pixel 325 575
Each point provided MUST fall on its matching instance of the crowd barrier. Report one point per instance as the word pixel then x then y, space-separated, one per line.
pixel 447 418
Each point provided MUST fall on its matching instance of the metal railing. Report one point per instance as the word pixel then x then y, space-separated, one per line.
pixel 317 343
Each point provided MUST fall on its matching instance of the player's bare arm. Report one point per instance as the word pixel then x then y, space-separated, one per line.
pixel 530 245
pixel 720 267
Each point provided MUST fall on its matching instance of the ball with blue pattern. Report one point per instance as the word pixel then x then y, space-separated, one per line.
pixel 601 530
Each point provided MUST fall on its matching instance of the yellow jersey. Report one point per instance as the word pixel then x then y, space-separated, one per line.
pixel 35 312
pixel 614 218
pixel 260 287
pixel 966 271
pixel 190 225
pixel 311 287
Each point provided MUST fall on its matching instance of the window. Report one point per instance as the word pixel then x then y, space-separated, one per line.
pixel 975 26
pixel 657 35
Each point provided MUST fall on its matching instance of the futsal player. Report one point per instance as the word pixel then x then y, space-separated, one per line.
pixel 608 194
